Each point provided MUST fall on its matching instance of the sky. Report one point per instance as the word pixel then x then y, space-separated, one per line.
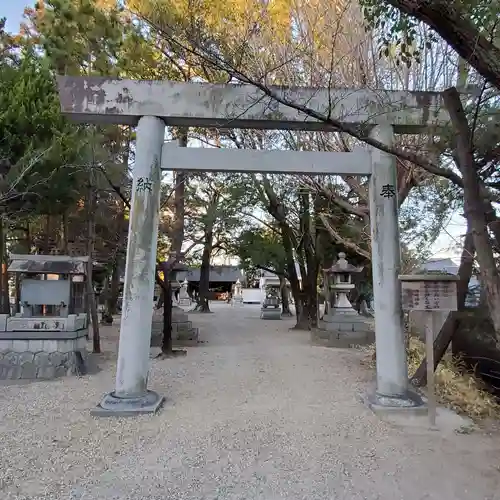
pixel 13 11
pixel 448 243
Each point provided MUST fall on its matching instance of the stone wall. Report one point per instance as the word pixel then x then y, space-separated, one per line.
pixel 18 323
pixel 42 359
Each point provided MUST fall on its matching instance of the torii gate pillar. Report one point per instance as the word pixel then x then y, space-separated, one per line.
pixel 131 396
pixel 392 371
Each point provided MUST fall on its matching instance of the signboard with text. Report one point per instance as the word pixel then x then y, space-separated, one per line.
pixel 427 294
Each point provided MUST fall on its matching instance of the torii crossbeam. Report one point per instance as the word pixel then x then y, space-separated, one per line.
pixel 107 100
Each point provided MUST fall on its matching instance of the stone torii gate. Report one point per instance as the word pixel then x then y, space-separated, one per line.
pixel 151 105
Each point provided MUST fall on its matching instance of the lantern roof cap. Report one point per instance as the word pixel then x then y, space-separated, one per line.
pixel 343 266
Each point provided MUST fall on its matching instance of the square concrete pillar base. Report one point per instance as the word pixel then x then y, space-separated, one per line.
pixel 113 406
pixel 410 403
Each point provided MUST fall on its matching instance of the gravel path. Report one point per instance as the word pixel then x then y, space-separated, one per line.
pixel 255 413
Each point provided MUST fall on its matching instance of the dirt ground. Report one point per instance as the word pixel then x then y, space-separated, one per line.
pixel 255 412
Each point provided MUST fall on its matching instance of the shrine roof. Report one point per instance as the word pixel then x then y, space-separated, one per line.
pixel 47 264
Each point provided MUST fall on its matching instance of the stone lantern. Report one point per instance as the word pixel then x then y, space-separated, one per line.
pixel 340 275
pixel 343 324
pixel 237 288
pixel 184 298
pixel 174 282
pixel 238 293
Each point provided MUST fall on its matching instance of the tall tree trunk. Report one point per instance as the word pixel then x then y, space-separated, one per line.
pixel 448 329
pixel 309 267
pixel 277 210
pixel 313 301
pixel 5 287
pixel 27 241
pixel 17 284
pixel 309 294
pixel 161 300
pixel 203 304
pixel 302 312
pixel 166 344
pixel 326 293
pixel 91 302
pixel 180 179
pixel 114 286
pixel 113 291
pixel 493 223
pixel 167 350
pixel 48 229
pixel 4 279
pixel 312 287
pixel 474 207
pixel 292 273
pixel 26 245
pixel 111 305
pixel 64 232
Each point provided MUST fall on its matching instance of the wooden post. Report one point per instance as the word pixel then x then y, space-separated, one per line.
pixel 430 293
pixel 91 305
pixel 4 285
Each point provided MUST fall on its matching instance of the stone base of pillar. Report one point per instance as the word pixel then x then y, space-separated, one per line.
pixel 410 403
pixel 113 406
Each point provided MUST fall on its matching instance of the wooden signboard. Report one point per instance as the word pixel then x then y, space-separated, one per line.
pixel 431 293
pixel 428 295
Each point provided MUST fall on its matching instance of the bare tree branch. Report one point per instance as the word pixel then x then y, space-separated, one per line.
pixel 342 241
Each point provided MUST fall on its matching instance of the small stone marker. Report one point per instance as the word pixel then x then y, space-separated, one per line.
pixel 238 294
pixel 429 293
pixel 184 298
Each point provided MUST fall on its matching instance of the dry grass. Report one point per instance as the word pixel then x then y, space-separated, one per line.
pixel 456 387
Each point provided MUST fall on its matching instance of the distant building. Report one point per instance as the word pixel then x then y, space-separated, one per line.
pixel 445 265
pixel 221 277
pixel 262 275
pixel 268 274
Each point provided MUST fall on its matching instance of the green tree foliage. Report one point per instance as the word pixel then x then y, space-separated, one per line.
pixel 78 36
pixel 397 33
pixel 38 146
pixel 260 248
pixel 214 217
